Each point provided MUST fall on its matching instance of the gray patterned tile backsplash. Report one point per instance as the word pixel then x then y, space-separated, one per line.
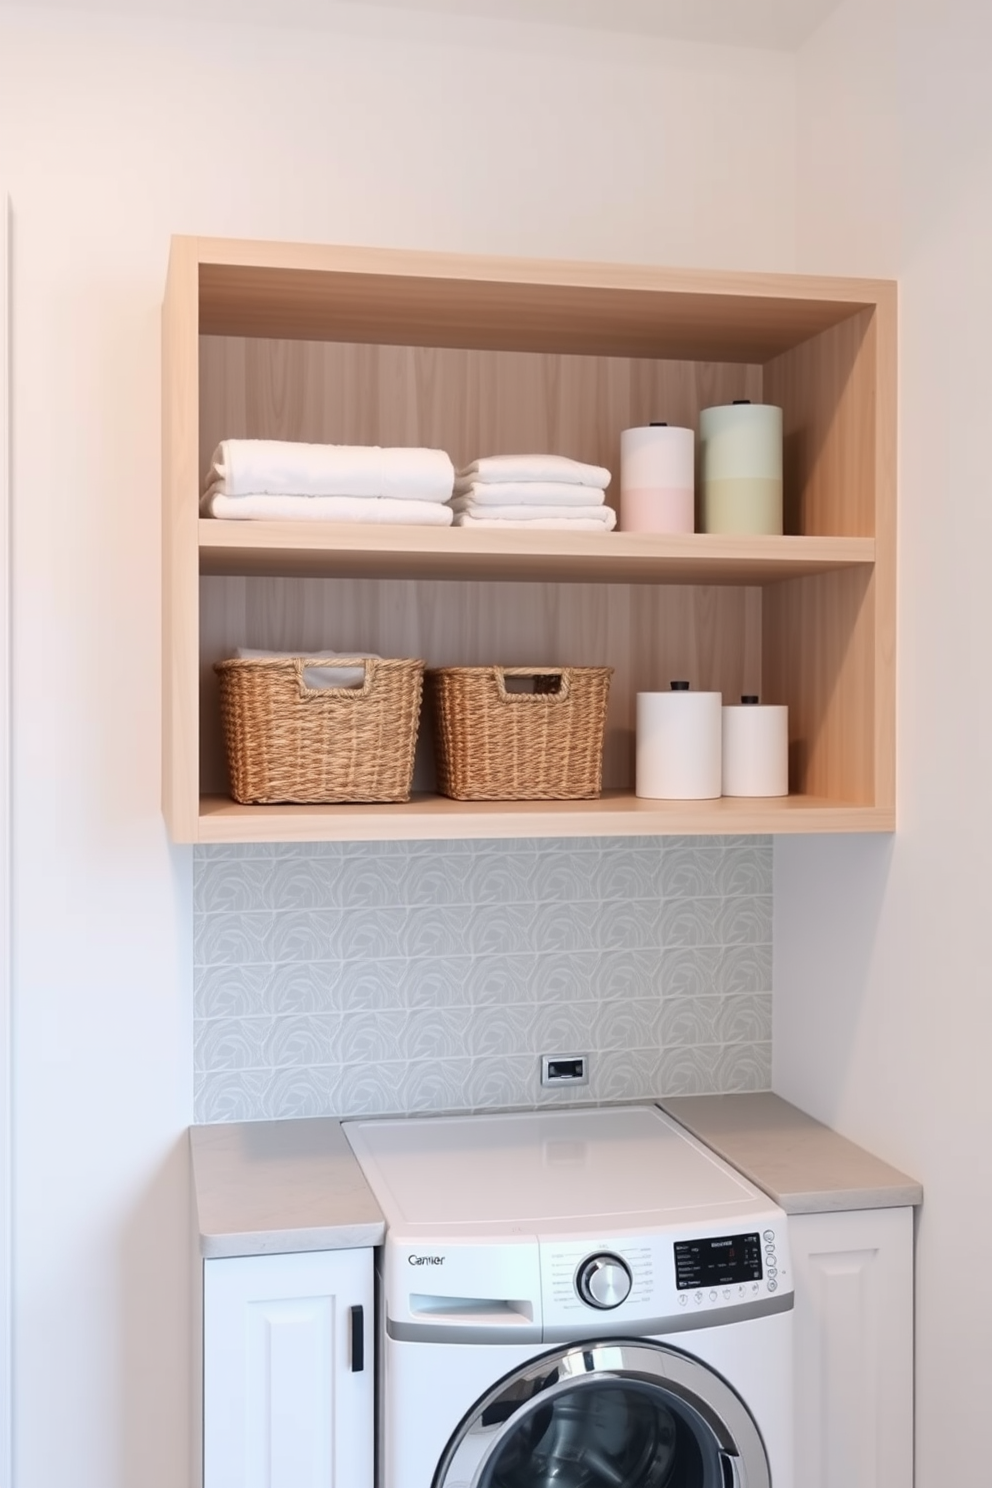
pixel 366 978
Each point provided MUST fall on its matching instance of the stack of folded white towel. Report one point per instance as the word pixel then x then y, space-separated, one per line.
pixel 533 491
pixel 276 480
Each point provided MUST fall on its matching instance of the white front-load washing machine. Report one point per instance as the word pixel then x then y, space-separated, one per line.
pixel 576 1299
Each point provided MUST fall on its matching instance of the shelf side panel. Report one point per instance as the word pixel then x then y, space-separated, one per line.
pixel 819 658
pixel 827 389
pixel 886 478
pixel 180 489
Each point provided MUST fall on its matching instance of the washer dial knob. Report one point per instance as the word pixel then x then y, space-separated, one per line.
pixel 604 1281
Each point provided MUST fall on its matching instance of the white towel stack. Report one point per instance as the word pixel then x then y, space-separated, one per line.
pixel 547 492
pixel 278 480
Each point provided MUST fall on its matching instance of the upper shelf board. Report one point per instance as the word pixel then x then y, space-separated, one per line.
pixel 299 292
pixel 340 550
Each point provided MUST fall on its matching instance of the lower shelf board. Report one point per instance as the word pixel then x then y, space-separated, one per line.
pixel 615 814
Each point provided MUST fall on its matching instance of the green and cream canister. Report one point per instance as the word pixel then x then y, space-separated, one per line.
pixel 741 468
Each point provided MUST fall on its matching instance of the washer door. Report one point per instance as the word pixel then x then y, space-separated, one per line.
pixel 614 1414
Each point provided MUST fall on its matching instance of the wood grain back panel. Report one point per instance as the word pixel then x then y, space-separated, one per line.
pixel 648 634
pixel 469 403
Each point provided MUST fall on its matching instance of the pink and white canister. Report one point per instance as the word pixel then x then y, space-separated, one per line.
pixel 657 479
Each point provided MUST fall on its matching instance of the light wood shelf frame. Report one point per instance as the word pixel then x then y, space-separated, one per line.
pixel 367 346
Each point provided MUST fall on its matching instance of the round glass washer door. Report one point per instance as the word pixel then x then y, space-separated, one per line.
pixel 614 1414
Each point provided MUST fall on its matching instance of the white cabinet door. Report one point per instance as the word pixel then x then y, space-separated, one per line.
pixel 287 1371
pixel 853 1273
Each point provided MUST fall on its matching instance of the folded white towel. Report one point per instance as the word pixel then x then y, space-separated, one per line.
pixel 603 516
pixel 262 506
pixel 536 468
pixel 315 677
pixel 242 467
pixel 528 493
pixel 540 524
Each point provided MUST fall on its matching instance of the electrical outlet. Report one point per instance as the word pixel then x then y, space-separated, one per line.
pixel 564 1069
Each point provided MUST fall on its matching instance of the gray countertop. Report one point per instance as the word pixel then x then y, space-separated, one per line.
pixel 278 1186
pixel 800 1163
pixel 263 1187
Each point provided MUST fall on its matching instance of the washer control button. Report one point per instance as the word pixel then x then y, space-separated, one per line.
pixel 604 1281
pixel 769 1234
pixel 712 1296
pixel 772 1271
pixel 772 1286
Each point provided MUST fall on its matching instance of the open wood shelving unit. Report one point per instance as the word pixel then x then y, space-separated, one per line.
pixel 481 356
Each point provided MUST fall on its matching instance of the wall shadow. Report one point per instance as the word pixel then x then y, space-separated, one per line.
pixel 154 1343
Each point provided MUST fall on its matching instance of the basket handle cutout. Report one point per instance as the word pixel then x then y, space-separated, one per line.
pixel 335 694
pixel 549 684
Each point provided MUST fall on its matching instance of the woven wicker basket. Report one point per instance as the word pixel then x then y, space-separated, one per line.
pixel 492 744
pixel 290 742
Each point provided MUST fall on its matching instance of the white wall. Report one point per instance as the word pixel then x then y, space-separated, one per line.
pixel 114 134
pixel 883 995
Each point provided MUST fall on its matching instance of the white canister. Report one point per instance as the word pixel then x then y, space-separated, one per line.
pixel 679 745
pixel 755 749
pixel 741 468
pixel 657 479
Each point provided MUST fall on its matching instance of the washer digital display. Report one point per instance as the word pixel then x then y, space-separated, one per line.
pixel 718 1261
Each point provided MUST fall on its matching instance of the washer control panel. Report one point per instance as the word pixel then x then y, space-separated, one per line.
pixel 716 1270
pixel 604 1281
pixel 717 1261
pixel 639 1283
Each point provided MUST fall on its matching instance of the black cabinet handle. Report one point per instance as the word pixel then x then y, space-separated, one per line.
pixel 357 1339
